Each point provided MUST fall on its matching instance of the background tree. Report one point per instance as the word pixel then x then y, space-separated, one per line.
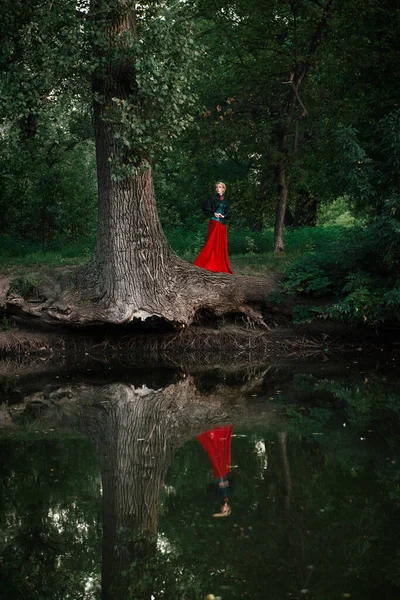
pixel 258 57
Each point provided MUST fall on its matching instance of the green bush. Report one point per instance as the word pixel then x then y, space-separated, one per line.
pixel 361 273
pixel 338 212
pixel 313 273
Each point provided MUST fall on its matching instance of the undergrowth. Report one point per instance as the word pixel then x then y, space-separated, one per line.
pixel 250 251
pixel 360 275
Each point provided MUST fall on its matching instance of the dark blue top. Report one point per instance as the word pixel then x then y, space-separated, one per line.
pixel 221 208
pixel 217 204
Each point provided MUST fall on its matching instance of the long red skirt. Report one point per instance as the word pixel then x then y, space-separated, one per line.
pixel 214 255
pixel 217 444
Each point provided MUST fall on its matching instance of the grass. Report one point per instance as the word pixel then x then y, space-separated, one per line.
pixel 259 264
pixel 17 255
pixel 251 252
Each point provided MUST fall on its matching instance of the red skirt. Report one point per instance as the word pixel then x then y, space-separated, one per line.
pixel 217 444
pixel 214 255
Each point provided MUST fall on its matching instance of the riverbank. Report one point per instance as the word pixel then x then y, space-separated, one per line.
pixel 324 340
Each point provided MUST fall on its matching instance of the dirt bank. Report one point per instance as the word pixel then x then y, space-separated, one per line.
pixel 195 344
pixel 223 339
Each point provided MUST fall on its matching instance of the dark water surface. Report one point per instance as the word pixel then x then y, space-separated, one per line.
pixel 107 486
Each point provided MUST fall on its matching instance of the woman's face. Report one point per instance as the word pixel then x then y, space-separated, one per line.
pixel 219 188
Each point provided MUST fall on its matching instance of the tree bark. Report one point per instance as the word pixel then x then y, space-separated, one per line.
pixel 281 182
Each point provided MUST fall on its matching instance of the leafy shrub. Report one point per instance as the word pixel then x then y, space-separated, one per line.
pixel 313 273
pixel 362 273
pixel 251 245
pixel 337 212
pixel 304 314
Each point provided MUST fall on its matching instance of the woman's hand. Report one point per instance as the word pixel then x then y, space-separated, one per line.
pixel 218 215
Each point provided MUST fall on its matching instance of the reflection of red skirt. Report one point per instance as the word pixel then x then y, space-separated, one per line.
pixel 214 255
pixel 217 444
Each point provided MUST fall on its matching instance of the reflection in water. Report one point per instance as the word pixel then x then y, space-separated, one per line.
pixel 49 517
pixel 217 444
pixel 316 504
pixel 137 431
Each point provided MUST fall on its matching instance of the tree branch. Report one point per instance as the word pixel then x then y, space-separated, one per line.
pixel 316 39
pixel 294 88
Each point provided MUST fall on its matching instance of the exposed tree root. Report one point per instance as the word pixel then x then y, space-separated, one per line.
pixel 175 302
pixel 37 351
pixel 189 408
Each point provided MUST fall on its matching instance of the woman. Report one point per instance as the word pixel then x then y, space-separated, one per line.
pixel 214 255
pixel 217 443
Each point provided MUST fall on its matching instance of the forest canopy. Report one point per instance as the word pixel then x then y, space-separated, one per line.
pixel 294 104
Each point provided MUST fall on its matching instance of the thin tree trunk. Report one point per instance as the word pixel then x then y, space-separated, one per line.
pixel 282 132
pixel 281 182
pixel 287 115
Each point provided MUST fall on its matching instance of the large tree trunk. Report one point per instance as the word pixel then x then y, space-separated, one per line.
pixel 133 261
pixel 134 275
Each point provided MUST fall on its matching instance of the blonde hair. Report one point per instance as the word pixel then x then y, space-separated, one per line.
pixel 224 514
pixel 221 183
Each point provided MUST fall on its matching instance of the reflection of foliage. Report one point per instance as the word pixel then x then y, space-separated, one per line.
pixel 333 537
pixel 49 512
pixel 315 512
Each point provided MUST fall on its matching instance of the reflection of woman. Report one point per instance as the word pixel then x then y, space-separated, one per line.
pixel 217 444
pixel 214 255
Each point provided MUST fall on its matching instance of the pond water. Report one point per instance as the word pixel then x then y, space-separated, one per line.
pixel 117 486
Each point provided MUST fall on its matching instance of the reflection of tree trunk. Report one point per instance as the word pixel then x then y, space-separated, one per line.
pixel 295 530
pixel 287 479
pixel 136 431
pixel 132 437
